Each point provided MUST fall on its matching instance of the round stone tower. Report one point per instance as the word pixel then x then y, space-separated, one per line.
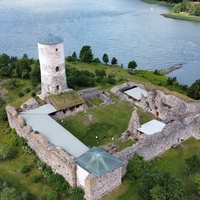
pixel 52 65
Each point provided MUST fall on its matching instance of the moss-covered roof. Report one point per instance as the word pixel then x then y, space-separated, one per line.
pixel 65 100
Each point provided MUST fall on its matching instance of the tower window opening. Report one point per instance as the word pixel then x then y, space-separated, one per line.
pixel 57 69
pixel 56 49
pixel 57 87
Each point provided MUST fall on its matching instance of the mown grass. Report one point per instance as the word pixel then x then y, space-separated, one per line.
pixel 106 122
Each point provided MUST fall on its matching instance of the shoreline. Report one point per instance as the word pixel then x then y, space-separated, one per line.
pixel 170 69
pixel 179 16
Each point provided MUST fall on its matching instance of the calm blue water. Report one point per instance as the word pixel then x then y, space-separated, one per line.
pixel 125 29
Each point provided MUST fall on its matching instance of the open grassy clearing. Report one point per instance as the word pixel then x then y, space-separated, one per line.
pixel 104 122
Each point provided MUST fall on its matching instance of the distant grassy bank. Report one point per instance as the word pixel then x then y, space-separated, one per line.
pixel 182 16
pixel 179 16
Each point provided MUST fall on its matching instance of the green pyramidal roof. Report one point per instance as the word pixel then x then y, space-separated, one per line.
pixel 98 161
pixel 50 39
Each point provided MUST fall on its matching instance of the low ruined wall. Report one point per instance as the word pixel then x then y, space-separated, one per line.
pixel 97 187
pixel 59 160
pixel 62 114
pixel 91 93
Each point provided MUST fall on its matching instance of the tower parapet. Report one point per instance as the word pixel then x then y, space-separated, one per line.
pixel 52 65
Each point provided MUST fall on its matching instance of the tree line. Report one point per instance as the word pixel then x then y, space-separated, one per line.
pixel 28 68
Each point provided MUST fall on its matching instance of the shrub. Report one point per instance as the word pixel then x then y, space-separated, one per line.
pixel 33 94
pixel 52 196
pixel 58 183
pixel 34 178
pixel 20 94
pixel 24 169
pixel 70 59
pixel 27 90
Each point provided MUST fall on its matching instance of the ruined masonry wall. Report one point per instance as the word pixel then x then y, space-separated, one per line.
pixel 59 160
pixel 97 187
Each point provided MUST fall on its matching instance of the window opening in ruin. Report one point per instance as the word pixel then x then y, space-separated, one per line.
pixel 157 113
pixel 57 69
pixel 57 87
pixel 56 49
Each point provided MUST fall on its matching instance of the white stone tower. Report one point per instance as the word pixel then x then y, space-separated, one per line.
pixel 52 65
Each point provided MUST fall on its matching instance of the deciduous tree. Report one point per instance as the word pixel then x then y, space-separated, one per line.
pixel 86 54
pixel 194 90
pixel 105 58
pixel 132 65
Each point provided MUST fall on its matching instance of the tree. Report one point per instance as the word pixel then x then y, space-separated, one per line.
pixel 192 162
pixel 136 166
pixel 197 10
pixel 197 183
pixel 155 180
pixel 158 193
pixel 74 55
pixel 105 58
pixel 23 68
pixel 35 75
pixel 4 60
pixel 194 90
pixel 132 65
pixel 86 54
pixel 114 61
pixel 6 151
pixel 171 80
pixel 6 71
pixel 58 183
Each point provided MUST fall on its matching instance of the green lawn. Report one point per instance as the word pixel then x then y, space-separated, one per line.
pixel 108 121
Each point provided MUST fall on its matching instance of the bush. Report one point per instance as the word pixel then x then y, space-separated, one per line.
pixel 58 183
pixel 77 193
pixel 20 94
pixel 52 196
pixel 34 178
pixel 70 59
pixel 33 94
pixel 24 169
pixel 27 90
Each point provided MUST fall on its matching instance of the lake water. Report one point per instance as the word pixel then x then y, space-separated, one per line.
pixel 125 29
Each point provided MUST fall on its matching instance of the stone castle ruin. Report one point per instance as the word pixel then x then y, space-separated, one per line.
pixel 94 170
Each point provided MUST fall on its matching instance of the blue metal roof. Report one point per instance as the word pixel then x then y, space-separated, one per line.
pixel 50 39
pixel 98 161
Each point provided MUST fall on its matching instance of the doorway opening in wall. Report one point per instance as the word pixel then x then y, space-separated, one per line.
pixel 57 69
pixel 57 87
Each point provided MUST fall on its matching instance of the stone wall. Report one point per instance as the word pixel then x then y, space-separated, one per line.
pixel 182 122
pixel 168 106
pixel 60 161
pixel 97 187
